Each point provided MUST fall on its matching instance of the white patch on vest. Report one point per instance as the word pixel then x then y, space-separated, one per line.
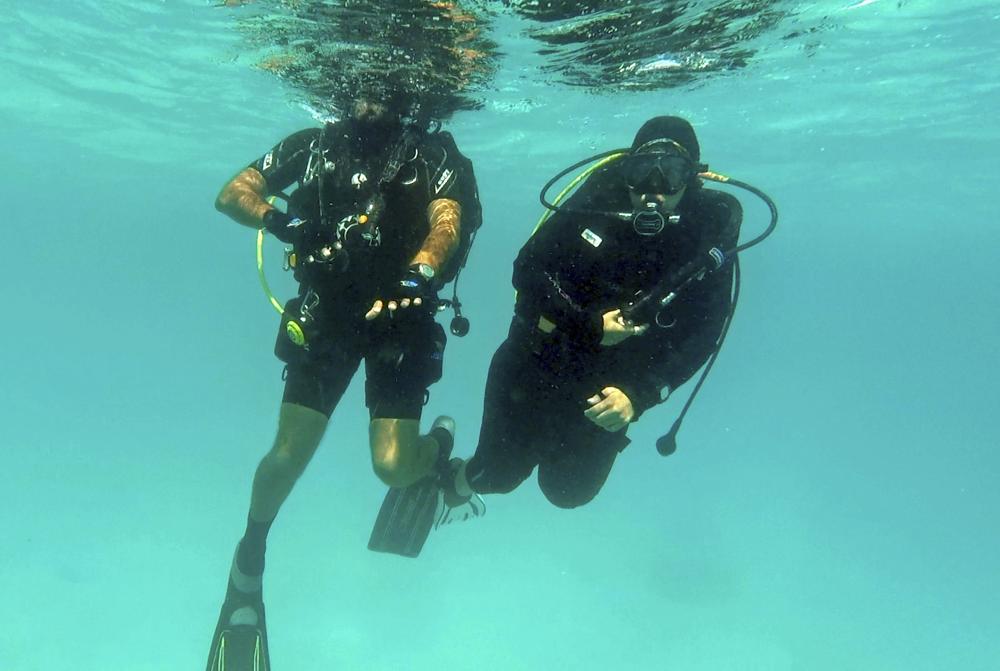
pixel 268 159
pixel 591 237
pixel 445 176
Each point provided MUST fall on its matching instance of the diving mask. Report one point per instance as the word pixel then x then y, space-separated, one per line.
pixel 659 166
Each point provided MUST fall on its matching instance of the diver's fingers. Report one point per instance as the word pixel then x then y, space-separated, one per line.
pixel 612 419
pixel 392 305
pixel 417 301
pixel 615 424
pixel 375 311
pixel 616 427
pixel 607 422
pixel 599 404
pixel 405 303
pixel 617 323
pixel 594 411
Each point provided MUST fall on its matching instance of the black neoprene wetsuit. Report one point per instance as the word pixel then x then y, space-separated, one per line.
pixel 575 268
pixel 343 165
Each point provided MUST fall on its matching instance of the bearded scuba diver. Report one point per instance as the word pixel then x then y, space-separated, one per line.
pixel 379 211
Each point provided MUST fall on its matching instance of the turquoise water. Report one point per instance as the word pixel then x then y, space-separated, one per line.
pixel 833 503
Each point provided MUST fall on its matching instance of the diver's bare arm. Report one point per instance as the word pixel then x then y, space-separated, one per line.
pixel 243 198
pixel 445 217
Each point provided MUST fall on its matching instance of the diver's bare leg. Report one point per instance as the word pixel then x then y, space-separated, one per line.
pixel 400 455
pixel 300 430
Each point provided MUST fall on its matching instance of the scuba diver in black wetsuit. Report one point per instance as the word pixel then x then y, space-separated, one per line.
pixel 622 295
pixel 382 216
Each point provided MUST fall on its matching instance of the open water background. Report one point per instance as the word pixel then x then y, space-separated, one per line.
pixel 833 503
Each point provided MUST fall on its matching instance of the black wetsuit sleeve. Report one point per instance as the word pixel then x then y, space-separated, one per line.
pixel 539 271
pixel 449 173
pixel 287 161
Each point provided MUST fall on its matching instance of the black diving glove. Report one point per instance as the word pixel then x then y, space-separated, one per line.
pixel 414 286
pixel 283 226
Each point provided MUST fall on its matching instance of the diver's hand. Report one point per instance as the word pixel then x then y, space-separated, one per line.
pixel 391 307
pixel 283 226
pixel 412 292
pixel 616 329
pixel 612 412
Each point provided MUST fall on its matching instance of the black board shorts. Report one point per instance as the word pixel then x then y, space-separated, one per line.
pixel 403 358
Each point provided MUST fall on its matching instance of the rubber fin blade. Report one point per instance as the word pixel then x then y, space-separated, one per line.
pixel 239 648
pixel 240 640
pixel 406 518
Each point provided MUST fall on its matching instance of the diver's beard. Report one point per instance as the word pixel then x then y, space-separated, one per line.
pixel 375 117
pixel 377 130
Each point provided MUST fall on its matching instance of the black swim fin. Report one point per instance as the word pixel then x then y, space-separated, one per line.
pixel 406 518
pixel 240 641
pixel 407 514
